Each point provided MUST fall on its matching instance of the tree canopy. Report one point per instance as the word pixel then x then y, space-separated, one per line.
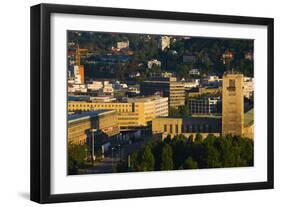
pixel 194 153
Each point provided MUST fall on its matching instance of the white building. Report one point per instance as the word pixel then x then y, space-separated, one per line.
pixel 248 87
pixel 194 71
pixel 150 63
pixel 212 80
pixel 107 89
pixel 156 104
pixel 78 79
pixel 95 85
pixel 122 45
pixel 102 99
pixel 165 42
pixel 192 83
pixel 77 88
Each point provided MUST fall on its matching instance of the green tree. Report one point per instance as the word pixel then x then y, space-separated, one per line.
pixel 77 155
pixel 189 163
pixel 184 111
pixel 147 159
pixel 155 69
pixel 198 138
pixel 168 139
pixel 179 150
pixel 167 158
pixel 212 157
pixel 173 112
pixel 134 161
pixel 190 139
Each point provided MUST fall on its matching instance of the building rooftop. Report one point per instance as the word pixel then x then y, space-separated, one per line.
pixel 78 98
pixel 88 115
pixel 145 99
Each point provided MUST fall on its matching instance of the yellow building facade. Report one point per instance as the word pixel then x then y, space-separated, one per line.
pixel 164 126
pixel 135 113
pixel 80 126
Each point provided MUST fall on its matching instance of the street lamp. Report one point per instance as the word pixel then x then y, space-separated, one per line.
pixel 119 147
pixel 93 144
pixel 112 148
pixel 86 152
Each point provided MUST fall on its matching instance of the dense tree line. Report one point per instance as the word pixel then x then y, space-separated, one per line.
pixel 192 153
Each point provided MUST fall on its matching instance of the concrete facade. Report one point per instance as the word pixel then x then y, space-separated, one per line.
pixel 233 104
pixel 80 125
pixel 186 126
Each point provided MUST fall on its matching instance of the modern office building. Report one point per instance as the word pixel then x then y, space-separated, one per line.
pixel 203 105
pixel 82 125
pixel 166 87
pixel 133 113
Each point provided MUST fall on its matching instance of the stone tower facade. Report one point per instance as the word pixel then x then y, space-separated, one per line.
pixel 232 104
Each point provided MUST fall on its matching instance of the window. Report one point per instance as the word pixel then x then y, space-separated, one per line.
pixel 171 128
pixel 177 129
pixel 165 128
pixel 231 83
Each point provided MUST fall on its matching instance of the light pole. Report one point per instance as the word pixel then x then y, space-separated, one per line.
pixel 119 147
pixel 112 148
pixel 86 152
pixel 93 145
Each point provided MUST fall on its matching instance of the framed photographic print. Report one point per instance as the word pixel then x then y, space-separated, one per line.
pixel 133 103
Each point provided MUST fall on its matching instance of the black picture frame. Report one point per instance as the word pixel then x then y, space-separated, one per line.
pixel 41 97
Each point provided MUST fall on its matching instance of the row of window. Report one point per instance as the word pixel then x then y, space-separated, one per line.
pixel 94 105
pixel 170 128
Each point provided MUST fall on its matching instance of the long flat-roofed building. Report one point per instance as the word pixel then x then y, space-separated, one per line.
pixel 187 126
pixel 81 125
pixel 132 114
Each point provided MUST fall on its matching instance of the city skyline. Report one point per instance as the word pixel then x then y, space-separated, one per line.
pixel 142 102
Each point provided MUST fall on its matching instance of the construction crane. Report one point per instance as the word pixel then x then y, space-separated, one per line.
pixel 78 53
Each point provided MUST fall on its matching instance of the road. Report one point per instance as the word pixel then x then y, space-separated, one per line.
pixel 112 158
pixel 104 166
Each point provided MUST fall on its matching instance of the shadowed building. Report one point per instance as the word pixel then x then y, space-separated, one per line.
pixel 80 126
pixel 187 126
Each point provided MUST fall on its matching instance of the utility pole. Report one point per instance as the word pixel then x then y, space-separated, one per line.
pixel 93 145
pixel 129 162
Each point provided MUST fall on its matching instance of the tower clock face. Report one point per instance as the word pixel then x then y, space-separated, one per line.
pixel 231 85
